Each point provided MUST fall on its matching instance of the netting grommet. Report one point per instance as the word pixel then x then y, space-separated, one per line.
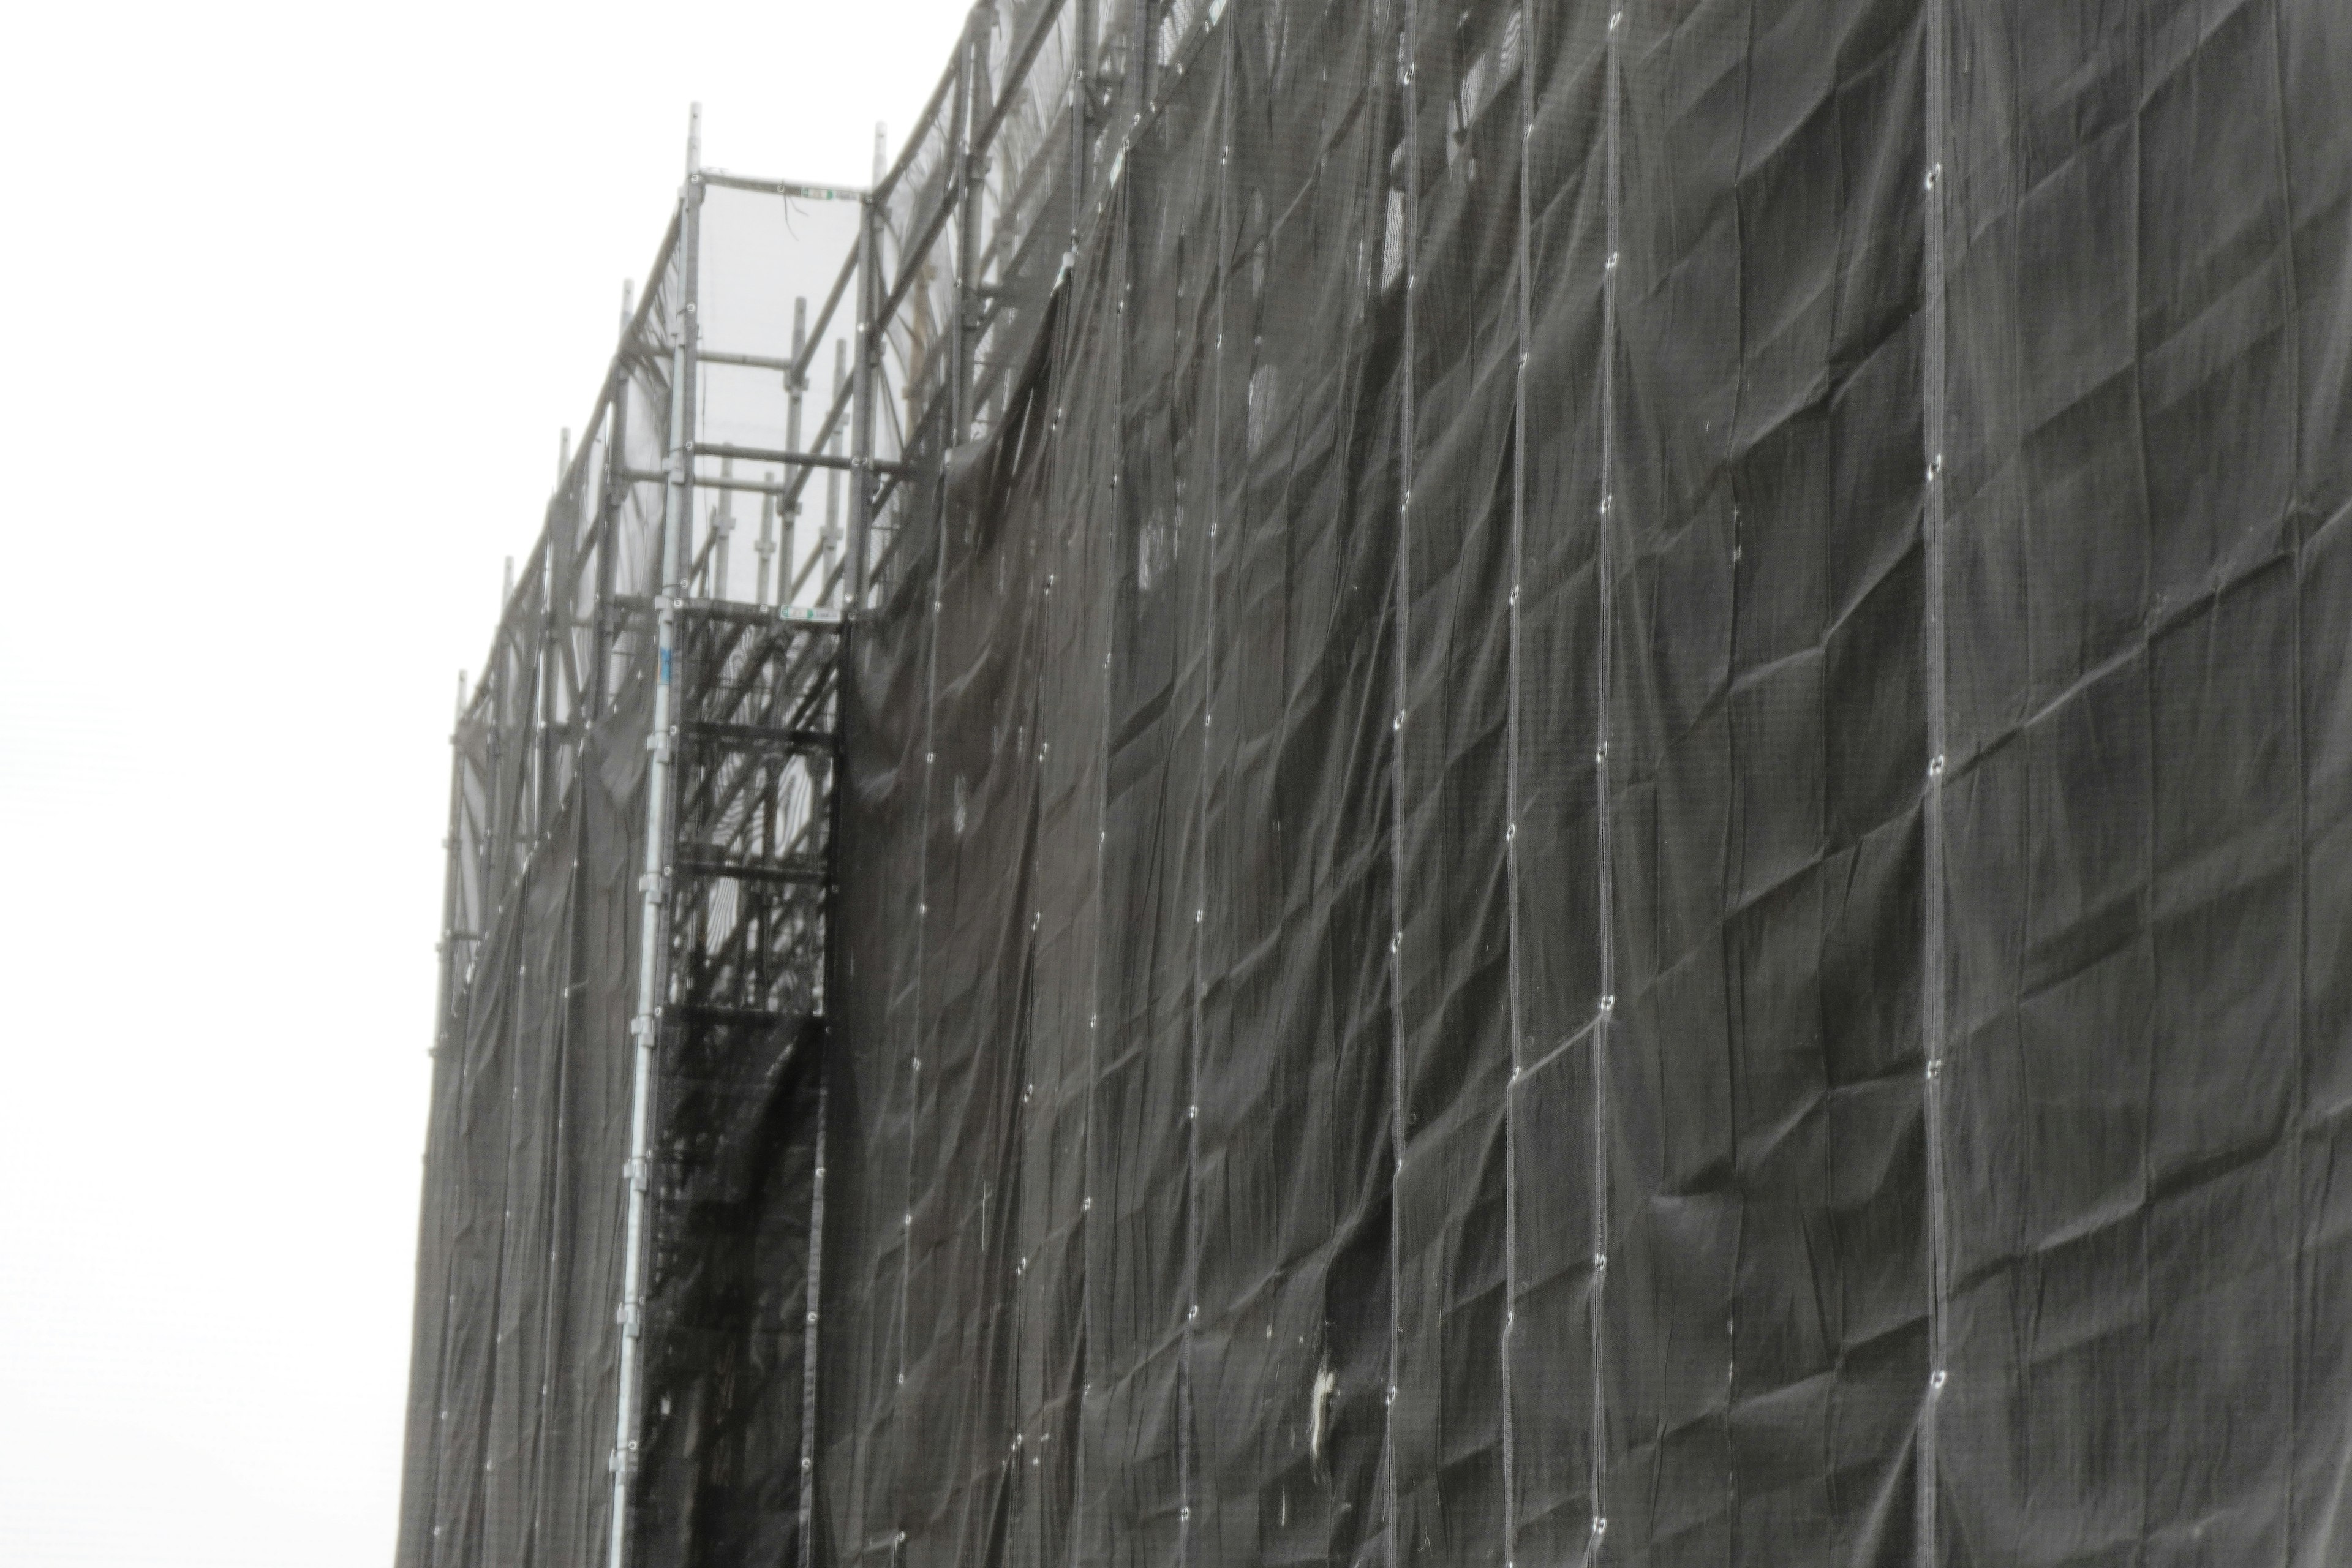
pixel 1937 1381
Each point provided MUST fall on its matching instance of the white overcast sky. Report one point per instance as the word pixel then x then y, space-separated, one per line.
pixel 300 297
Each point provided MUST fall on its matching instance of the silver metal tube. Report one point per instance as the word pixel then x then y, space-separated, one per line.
pixel 832 547
pixel 613 410
pixel 766 548
pixel 802 190
pixel 772 455
pixel 861 424
pixel 651 937
pixel 542 701
pixel 722 528
pixel 452 878
pixel 796 384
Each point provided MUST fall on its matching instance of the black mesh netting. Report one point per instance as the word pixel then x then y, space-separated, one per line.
pixel 1613 823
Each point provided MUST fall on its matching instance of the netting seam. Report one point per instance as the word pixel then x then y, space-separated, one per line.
pixel 1605 865
pixel 915 1003
pixel 1931 989
pixel 1402 644
pixel 2299 1089
pixel 809 1345
pixel 1188 1438
pixel 1104 614
pixel 1515 1012
pixel 575 967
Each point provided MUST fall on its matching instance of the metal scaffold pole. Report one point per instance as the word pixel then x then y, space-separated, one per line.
pixel 832 544
pixel 611 487
pixel 867 366
pixel 652 933
pixel 796 387
pixel 451 877
pixel 970 110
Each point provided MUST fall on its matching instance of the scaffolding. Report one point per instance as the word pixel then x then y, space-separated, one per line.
pixel 1503 813
pixel 639 651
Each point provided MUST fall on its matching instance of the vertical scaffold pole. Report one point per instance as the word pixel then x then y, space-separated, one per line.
pixel 451 877
pixel 543 692
pixel 498 834
pixel 795 387
pixel 832 544
pixel 653 938
pixel 614 487
pixel 867 367
pixel 970 110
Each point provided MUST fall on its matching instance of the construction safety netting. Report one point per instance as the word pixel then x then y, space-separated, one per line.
pixel 1597 808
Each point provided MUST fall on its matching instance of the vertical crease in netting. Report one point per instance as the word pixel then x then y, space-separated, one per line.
pixel 1401 647
pixel 1931 988
pixel 1606 865
pixel 1188 1440
pixel 1523 258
